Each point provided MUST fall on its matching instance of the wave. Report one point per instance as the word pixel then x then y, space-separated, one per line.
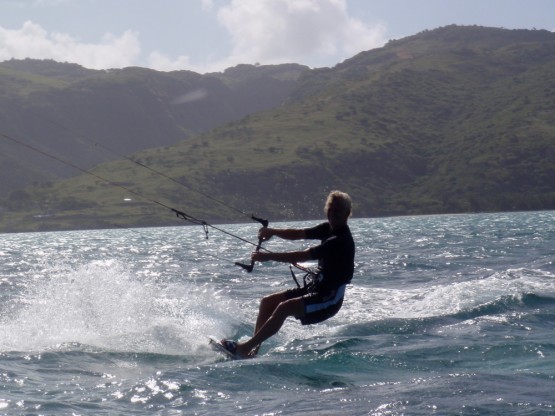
pixel 529 304
pixel 520 302
pixel 104 305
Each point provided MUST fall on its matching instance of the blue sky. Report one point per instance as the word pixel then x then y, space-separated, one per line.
pixel 211 35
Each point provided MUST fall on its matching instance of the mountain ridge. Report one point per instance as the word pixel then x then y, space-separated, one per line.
pixel 457 119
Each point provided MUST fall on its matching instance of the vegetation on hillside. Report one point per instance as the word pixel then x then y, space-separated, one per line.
pixel 76 113
pixel 456 119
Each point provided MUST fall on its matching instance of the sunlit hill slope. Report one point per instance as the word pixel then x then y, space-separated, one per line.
pixel 457 119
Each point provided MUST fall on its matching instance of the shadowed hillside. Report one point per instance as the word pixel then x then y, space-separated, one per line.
pixel 75 112
pixel 458 119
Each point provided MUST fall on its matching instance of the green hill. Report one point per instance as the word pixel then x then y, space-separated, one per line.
pixel 457 119
pixel 76 113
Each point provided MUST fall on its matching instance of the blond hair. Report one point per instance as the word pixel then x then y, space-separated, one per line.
pixel 341 198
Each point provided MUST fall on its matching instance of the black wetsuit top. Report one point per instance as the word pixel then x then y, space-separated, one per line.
pixel 335 255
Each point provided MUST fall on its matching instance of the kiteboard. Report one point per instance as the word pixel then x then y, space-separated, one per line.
pixel 216 346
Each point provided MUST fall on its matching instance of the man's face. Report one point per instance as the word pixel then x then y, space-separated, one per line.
pixel 337 215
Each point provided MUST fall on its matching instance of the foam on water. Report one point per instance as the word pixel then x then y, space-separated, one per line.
pixel 103 305
pixel 445 298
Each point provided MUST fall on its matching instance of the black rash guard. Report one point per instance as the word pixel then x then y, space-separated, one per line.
pixel 335 255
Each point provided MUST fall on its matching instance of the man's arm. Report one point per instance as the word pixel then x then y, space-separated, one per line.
pixel 285 257
pixel 284 233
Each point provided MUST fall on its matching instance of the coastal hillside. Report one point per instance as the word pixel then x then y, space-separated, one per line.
pixel 92 116
pixel 457 119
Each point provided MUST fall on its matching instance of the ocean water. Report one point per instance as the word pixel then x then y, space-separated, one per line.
pixel 446 315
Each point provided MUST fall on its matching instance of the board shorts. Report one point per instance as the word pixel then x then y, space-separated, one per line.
pixel 318 306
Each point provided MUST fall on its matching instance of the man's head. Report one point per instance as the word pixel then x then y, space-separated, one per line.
pixel 338 208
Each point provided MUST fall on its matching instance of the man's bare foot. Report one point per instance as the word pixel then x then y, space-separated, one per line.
pixel 242 351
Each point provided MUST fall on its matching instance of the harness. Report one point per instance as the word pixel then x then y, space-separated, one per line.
pixel 311 277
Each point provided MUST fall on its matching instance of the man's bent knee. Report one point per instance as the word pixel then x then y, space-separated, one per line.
pixel 292 307
pixel 273 299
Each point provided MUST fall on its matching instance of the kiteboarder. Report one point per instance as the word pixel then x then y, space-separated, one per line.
pixel 322 296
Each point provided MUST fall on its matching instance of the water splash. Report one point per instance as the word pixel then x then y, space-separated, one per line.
pixel 103 305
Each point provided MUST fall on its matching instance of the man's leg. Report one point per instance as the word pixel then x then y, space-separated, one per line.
pixel 268 305
pixel 291 307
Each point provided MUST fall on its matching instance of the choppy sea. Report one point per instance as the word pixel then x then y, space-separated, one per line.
pixel 446 315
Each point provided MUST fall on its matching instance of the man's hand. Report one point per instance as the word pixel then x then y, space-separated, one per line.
pixel 260 256
pixel 265 233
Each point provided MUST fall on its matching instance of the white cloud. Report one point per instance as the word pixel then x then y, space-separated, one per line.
pixel 32 41
pixel 303 31
pixel 191 96
pixel 161 62
pixel 310 32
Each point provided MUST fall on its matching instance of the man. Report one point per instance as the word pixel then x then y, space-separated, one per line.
pixel 323 298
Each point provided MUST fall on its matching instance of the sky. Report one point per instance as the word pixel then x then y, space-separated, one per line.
pixel 212 35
